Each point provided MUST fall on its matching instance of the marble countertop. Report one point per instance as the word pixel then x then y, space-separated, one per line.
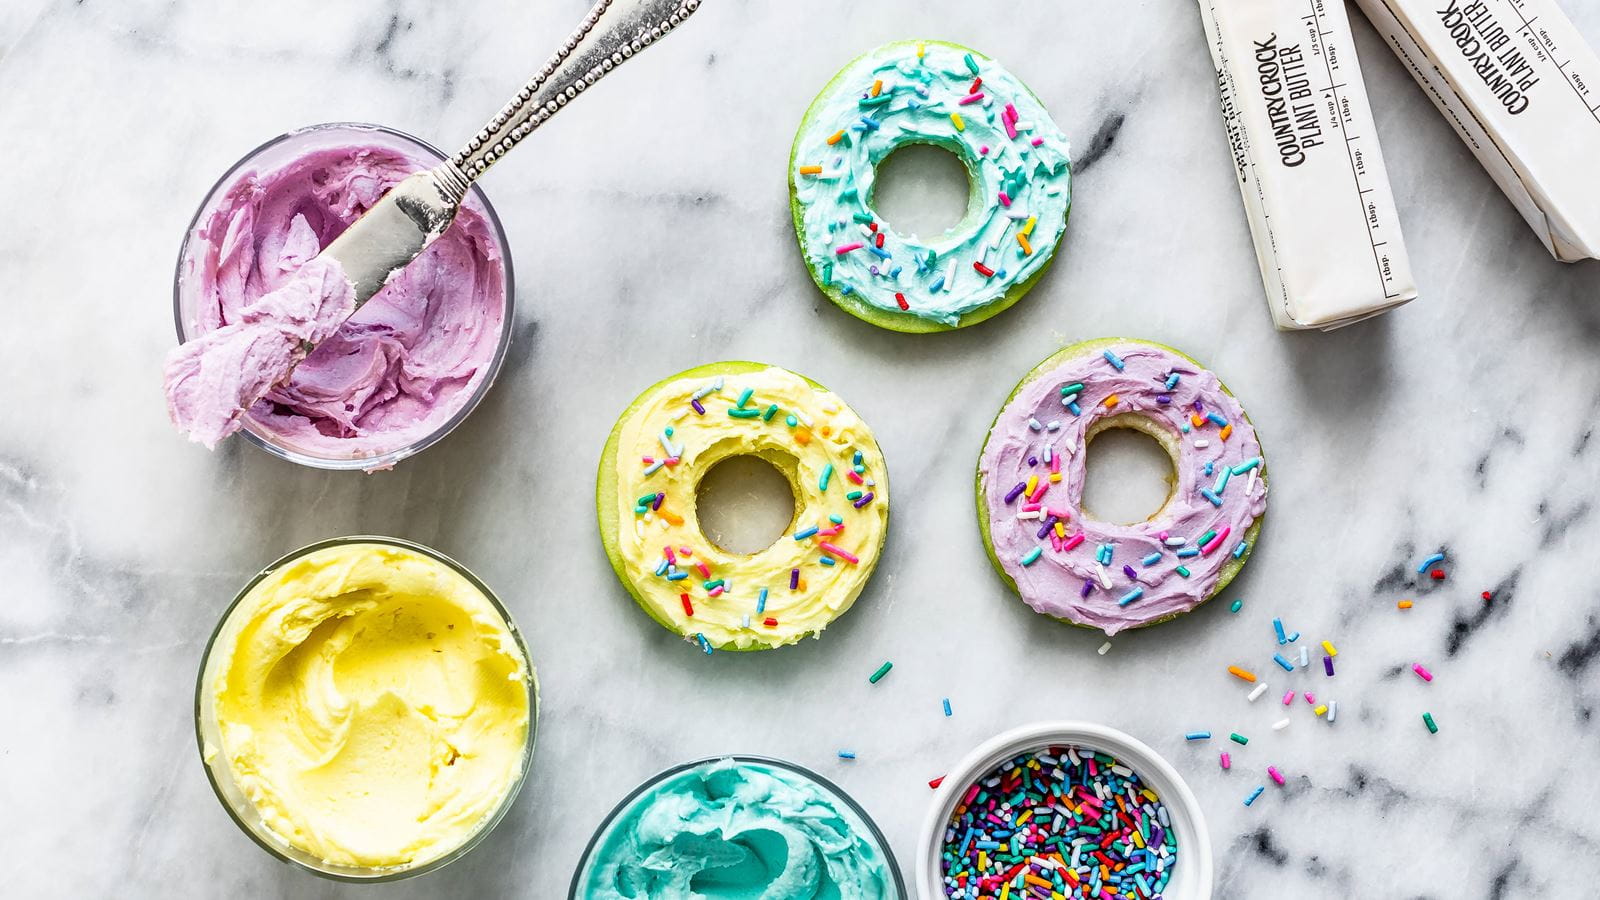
pixel 658 207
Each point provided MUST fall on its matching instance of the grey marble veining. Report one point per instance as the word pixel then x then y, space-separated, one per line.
pixel 651 232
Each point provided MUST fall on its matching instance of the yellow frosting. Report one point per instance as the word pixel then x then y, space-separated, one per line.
pixel 826 431
pixel 372 704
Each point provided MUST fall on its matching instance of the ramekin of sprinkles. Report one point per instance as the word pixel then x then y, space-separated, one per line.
pixel 1068 809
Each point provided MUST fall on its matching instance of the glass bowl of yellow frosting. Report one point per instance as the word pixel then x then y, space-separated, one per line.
pixel 366 709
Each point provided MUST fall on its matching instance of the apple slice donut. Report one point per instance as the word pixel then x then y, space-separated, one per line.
pixel 676 432
pixel 1018 168
pixel 1073 567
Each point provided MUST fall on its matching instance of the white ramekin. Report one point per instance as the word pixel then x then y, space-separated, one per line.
pixel 1192 878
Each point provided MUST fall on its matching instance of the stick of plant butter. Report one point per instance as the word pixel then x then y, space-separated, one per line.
pixel 1303 141
pixel 1520 86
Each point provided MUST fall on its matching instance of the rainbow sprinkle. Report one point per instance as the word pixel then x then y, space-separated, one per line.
pixel 1062 821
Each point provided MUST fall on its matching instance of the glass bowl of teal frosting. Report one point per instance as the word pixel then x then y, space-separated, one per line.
pixel 737 828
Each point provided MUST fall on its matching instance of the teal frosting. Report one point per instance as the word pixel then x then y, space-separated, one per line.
pixel 736 830
pixel 936 278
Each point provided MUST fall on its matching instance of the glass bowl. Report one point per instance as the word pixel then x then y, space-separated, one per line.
pixel 581 873
pixel 1192 877
pixel 243 812
pixel 273 155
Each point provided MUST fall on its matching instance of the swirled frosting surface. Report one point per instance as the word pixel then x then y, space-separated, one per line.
pixel 372 705
pixel 389 375
pixel 1097 573
pixel 737 830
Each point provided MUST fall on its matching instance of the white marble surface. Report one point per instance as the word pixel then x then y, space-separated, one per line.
pixel 651 233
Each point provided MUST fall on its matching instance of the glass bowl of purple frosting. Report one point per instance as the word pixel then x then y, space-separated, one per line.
pixel 406 368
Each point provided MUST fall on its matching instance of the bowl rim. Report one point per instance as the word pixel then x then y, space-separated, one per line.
pixel 850 802
pixel 1127 748
pixel 284 852
pixel 475 194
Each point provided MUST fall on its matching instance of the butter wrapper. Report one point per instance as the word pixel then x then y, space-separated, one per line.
pixel 1520 86
pixel 1306 152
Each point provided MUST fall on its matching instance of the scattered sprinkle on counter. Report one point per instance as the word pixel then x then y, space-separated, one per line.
pixel 847 754
pixel 1254 794
pixel 947 711
pixel 1325 709
pixel 1058 822
pixel 883 670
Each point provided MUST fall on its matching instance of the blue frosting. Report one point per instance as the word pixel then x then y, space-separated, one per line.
pixel 921 86
pixel 737 830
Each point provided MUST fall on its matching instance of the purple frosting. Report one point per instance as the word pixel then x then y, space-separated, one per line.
pixel 1068 577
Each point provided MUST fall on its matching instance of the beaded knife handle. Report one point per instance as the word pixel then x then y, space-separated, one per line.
pixel 417 210
pixel 612 32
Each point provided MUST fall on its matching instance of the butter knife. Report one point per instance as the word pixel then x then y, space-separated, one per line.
pixel 417 210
